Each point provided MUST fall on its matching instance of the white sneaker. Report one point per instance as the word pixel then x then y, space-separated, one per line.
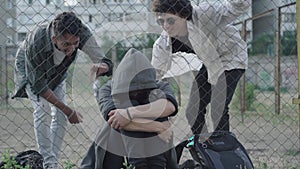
pixel 51 166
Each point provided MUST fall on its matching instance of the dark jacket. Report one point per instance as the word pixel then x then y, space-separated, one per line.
pixel 133 73
pixel 35 65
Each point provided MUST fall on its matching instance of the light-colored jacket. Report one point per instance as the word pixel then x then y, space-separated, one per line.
pixel 216 42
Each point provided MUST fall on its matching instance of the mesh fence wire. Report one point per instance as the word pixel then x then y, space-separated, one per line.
pixel 261 113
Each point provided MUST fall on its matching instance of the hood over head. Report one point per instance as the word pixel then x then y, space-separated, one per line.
pixel 134 72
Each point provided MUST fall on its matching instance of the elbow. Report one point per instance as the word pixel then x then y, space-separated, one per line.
pixel 239 7
pixel 171 108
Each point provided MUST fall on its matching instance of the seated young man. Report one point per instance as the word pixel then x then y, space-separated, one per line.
pixel 137 108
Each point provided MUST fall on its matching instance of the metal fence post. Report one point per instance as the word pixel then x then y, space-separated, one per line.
pixel 3 75
pixel 277 74
pixel 243 79
pixel 297 100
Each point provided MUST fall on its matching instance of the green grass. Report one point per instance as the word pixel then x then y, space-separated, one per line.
pixel 11 163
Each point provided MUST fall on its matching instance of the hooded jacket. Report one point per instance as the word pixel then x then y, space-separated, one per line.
pixel 134 73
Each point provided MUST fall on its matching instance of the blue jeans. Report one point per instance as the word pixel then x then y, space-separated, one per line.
pixel 198 101
pixel 49 124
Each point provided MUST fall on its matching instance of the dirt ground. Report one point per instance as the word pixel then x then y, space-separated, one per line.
pixel 269 143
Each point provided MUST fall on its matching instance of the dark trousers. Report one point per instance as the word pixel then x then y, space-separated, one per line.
pixel 139 145
pixel 198 101
pixel 154 162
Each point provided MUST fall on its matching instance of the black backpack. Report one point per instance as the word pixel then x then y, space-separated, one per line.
pixel 190 164
pixel 217 150
pixel 30 158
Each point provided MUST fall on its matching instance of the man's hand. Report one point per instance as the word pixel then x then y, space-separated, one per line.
pixel 166 132
pixel 118 118
pixel 98 69
pixel 75 117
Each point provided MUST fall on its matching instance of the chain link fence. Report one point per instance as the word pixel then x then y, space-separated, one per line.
pixel 262 114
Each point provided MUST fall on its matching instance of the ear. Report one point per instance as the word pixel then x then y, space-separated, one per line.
pixel 54 39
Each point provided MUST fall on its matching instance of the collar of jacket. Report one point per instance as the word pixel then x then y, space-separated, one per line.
pixel 166 38
pixel 48 48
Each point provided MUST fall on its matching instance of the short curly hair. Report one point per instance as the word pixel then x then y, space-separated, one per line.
pixel 182 8
pixel 67 23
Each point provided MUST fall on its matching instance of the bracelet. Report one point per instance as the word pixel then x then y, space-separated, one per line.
pixel 73 112
pixel 128 114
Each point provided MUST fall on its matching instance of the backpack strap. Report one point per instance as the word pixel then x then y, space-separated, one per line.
pixel 179 149
pixel 184 144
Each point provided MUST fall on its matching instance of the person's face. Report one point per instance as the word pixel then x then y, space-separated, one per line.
pixel 172 24
pixel 66 43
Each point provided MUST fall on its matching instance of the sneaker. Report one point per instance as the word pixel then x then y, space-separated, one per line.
pixel 51 166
